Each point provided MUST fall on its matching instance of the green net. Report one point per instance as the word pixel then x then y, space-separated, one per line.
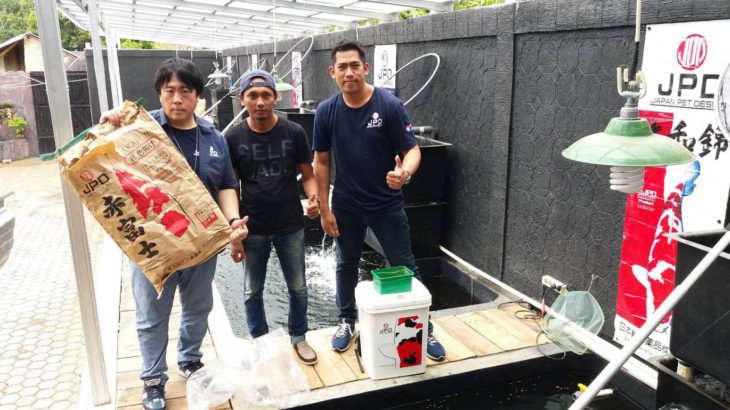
pixel 570 314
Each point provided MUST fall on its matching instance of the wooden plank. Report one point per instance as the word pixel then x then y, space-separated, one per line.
pixel 350 357
pixel 172 403
pixel 512 326
pixel 455 350
pixel 528 327
pixel 467 336
pixel 515 309
pixel 182 404
pixel 492 330
pixel 331 367
pixel 312 377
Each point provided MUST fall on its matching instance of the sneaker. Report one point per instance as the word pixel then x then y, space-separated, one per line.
pixel 305 353
pixel 153 397
pixel 434 349
pixel 188 368
pixel 342 339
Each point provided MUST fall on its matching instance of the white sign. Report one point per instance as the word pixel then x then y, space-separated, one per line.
pixel 684 64
pixel 384 67
pixel 296 76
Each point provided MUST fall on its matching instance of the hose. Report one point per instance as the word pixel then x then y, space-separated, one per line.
pixel 438 63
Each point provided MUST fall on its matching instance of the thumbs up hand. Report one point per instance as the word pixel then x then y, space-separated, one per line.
pixel 398 176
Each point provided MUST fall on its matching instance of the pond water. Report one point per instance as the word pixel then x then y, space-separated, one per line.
pixel 550 392
pixel 320 272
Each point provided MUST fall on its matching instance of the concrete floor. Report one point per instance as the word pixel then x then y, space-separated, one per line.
pixel 41 339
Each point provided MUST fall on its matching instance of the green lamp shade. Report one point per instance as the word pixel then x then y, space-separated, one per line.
pixel 628 143
pixel 282 86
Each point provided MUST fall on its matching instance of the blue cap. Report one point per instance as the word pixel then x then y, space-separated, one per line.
pixel 253 79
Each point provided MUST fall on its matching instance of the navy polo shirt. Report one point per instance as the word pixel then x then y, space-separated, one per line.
pixel 364 141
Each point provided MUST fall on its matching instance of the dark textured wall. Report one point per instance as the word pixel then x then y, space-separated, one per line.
pixel 562 219
pixel 517 84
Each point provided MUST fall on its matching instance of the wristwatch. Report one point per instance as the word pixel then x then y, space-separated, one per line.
pixel 408 180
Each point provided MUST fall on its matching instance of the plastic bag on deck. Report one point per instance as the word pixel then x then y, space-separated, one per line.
pixel 264 373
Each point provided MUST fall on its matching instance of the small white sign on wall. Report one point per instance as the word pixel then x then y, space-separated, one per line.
pixel 296 76
pixel 384 67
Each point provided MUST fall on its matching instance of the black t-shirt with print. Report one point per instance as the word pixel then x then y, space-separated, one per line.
pixel 267 165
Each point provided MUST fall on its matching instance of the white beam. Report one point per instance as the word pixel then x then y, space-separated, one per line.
pixel 421 4
pixel 124 17
pixel 246 12
pixel 60 107
pixel 204 36
pixel 98 60
pixel 320 8
pixel 112 44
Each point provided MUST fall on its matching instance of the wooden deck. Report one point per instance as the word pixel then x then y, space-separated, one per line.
pixel 466 336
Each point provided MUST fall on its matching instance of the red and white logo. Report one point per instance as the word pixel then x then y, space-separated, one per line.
pixel 692 52
pixel 86 175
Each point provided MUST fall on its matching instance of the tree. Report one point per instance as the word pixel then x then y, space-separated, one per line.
pixel 72 37
pixel 18 17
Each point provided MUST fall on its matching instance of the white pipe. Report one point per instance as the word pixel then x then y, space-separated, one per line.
pixel 99 71
pixel 438 63
pixel 600 347
pixel 651 323
pixel 233 121
pixel 306 53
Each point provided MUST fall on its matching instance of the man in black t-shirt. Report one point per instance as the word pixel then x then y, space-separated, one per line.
pixel 267 154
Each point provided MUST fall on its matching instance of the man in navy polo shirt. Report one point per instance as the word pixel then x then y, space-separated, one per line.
pixel 366 128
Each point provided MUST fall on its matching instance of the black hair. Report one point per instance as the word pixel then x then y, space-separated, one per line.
pixel 185 70
pixel 347 45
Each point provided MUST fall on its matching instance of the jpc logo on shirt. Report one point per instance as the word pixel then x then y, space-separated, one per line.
pixel 376 121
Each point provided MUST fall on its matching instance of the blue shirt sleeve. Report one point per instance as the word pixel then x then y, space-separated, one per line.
pixel 400 128
pixel 321 137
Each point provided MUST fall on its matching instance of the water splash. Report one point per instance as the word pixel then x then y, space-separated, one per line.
pixel 320 265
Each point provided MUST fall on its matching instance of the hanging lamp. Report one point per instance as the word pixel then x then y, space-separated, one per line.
pixel 628 143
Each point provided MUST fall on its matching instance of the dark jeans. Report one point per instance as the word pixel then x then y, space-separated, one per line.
pixel 394 235
pixel 290 250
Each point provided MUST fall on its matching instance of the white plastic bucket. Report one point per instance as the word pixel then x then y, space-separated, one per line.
pixel 393 330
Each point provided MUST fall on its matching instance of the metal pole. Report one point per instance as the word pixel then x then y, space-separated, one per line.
pixel 99 72
pixel 58 101
pixel 652 322
pixel 112 44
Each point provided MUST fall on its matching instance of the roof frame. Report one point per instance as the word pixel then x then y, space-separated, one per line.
pixel 264 21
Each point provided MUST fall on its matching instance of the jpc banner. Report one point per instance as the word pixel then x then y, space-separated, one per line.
pixel 684 65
